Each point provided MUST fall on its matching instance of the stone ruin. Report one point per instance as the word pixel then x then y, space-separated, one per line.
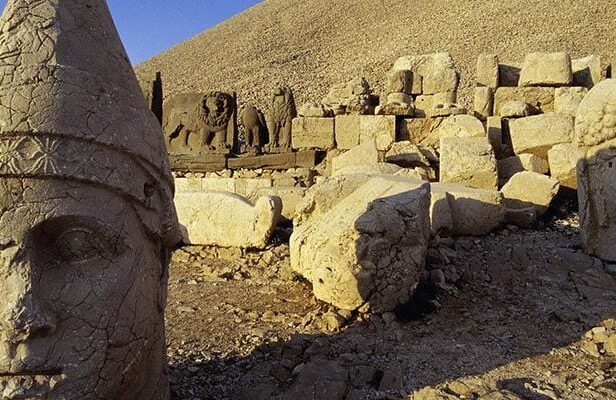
pixel 366 182
pixel 360 171
pixel 88 220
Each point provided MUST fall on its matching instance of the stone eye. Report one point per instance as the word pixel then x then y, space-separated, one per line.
pixel 78 245
pixel 76 240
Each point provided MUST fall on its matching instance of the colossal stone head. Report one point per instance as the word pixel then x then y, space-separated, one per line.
pixel 86 213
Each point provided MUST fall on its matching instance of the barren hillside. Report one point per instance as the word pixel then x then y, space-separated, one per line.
pixel 311 44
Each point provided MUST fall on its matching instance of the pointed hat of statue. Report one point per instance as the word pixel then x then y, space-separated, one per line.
pixel 71 107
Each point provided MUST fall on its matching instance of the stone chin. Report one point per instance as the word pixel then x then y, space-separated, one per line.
pixel 83 289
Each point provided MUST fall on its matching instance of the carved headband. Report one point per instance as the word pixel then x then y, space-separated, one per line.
pixel 55 156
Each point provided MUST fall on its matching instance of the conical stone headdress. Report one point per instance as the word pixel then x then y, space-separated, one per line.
pixel 71 107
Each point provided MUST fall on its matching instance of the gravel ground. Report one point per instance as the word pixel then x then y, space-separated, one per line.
pixel 312 44
pixel 515 315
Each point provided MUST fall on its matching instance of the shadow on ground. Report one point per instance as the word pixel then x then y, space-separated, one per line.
pixel 511 326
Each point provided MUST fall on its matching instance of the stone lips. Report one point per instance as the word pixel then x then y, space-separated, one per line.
pixel 53 84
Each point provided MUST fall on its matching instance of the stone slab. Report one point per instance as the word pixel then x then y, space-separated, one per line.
pixel 541 99
pixel 313 133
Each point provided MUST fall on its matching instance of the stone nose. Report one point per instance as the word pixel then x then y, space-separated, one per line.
pixel 23 314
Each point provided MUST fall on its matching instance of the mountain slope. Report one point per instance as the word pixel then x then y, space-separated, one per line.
pixel 312 44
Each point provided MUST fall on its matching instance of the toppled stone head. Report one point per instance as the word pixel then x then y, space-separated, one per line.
pixel 86 213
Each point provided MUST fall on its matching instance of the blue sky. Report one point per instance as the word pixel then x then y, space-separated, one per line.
pixel 148 27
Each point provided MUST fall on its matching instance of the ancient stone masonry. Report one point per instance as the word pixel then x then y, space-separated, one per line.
pixel 530 109
pixel 199 124
pixel 87 215
pixel 503 165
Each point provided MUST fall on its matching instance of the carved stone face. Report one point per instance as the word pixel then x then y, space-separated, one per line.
pixel 82 286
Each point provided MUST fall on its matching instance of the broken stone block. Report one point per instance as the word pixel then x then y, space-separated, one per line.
pixel 324 195
pixel 313 133
pixel 369 250
pixel 469 161
pixel 399 81
pixel 352 97
pixel 382 128
pixel 484 102
pixel 541 99
pixel 365 153
pixel 487 71
pixel 205 218
pixel 568 99
pixel 546 69
pixel 440 81
pixel 458 210
pixel 563 159
pixel 587 71
pixel 510 166
pixel 406 155
pixel 526 189
pixel 455 127
pixel 515 109
pixel 539 133
pixel 424 65
pixel 347 131
pixel 424 104
pixel 595 133
pixel 416 130
pixel 397 104
pixel 509 74
pixel 291 198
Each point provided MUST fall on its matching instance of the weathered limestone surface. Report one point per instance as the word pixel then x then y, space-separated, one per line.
pixel 369 250
pixel 347 131
pixel 468 161
pixel 546 69
pixel 365 153
pixel 487 70
pixel 435 71
pixel 309 133
pixel 227 220
pixel 587 71
pixel 526 189
pixel 380 168
pixel 399 81
pixel 541 99
pixel 563 159
pixel 440 81
pixel 510 166
pixel 515 109
pixel 291 198
pixel 416 130
pixel 456 126
pixel 483 102
pixel 87 212
pixel 460 210
pixel 323 196
pixel 539 133
pixel 425 104
pixel 595 132
pixel 280 115
pixel 379 127
pixel 406 155
pixel 568 99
